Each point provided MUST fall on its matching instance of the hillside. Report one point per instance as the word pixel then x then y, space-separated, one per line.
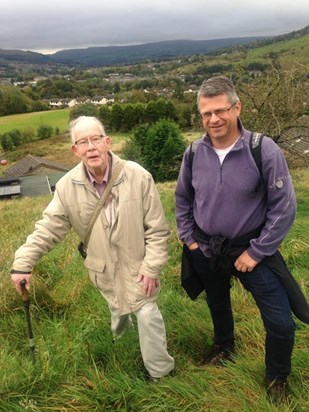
pixel 119 55
pixel 19 56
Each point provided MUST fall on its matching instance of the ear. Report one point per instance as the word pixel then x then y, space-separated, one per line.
pixel 238 108
pixel 74 149
pixel 108 142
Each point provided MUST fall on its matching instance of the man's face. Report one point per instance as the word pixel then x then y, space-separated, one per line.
pixel 219 117
pixel 92 148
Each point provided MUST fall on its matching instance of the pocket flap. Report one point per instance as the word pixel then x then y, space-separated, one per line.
pixel 96 265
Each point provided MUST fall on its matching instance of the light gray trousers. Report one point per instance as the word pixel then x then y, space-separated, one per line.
pixel 152 337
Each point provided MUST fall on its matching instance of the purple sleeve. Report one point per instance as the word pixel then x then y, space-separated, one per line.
pixel 184 201
pixel 281 202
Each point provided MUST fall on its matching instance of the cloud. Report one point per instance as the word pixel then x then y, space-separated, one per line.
pixel 67 24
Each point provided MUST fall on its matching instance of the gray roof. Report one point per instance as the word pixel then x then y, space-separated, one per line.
pixel 295 139
pixel 29 164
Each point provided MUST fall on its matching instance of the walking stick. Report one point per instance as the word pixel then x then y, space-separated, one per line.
pixel 26 301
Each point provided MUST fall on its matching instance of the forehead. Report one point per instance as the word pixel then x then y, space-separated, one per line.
pixel 86 129
pixel 215 102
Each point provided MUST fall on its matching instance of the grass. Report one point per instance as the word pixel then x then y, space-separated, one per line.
pixel 79 369
pixel 54 118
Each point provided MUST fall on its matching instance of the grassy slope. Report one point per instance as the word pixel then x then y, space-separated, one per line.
pixel 54 118
pixel 79 369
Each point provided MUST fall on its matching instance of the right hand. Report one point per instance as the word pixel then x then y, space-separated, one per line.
pixel 17 278
pixel 193 246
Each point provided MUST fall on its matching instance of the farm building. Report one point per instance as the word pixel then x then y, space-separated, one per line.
pixel 31 176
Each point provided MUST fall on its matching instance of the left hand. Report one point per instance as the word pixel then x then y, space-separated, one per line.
pixel 150 285
pixel 245 263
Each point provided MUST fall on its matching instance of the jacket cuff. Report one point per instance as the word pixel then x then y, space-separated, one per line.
pixel 20 272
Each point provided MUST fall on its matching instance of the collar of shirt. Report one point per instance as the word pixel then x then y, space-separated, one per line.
pixel 99 186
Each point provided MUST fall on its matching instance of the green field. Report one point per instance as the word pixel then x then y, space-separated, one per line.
pixel 54 118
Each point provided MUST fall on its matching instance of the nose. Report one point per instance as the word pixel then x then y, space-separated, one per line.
pixel 91 145
pixel 216 117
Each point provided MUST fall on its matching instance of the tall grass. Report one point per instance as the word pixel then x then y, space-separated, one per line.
pixel 78 367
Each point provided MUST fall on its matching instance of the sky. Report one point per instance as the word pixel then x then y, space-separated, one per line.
pixel 48 26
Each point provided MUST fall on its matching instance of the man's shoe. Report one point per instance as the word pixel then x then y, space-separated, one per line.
pixel 218 356
pixel 277 390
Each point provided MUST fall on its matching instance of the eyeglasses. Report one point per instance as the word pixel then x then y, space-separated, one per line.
pixel 95 140
pixel 218 112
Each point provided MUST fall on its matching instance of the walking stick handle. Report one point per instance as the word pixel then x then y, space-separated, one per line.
pixel 24 292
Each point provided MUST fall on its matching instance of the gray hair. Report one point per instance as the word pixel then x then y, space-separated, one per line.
pixel 82 121
pixel 216 86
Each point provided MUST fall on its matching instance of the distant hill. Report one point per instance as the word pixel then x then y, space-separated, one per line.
pixel 119 55
pixel 19 56
pixel 165 50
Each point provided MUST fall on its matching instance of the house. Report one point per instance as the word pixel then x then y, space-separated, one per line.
pixel 31 176
pixel 295 139
pixel 99 100
pixel 33 165
pixel 9 188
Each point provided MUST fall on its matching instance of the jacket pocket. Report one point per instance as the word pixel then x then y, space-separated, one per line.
pixel 95 265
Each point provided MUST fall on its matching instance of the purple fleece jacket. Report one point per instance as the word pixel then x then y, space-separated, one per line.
pixel 219 197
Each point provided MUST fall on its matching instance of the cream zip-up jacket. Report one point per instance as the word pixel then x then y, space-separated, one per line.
pixel 136 243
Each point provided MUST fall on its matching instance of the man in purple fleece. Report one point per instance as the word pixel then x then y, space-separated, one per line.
pixel 231 225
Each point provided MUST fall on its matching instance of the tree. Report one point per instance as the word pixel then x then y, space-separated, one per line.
pixel 84 109
pixel 104 115
pixel 133 115
pixel 116 117
pixel 164 150
pixel 275 101
pixel 159 148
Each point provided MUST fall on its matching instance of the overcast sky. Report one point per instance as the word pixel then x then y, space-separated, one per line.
pixel 47 26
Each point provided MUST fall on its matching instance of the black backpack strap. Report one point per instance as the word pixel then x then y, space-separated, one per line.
pixel 256 151
pixel 255 148
pixel 192 150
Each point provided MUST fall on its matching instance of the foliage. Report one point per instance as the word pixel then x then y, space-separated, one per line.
pixel 12 101
pixel 44 131
pixel 159 148
pixel 6 142
pixel 275 101
pixel 78 367
pixel 84 109
pixel 10 140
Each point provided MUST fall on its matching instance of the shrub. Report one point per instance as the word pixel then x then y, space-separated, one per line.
pixel 6 142
pixel 159 148
pixel 44 131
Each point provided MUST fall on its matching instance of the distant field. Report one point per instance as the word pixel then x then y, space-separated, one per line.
pixel 54 118
pixel 290 52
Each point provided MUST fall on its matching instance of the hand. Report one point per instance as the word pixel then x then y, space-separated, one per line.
pixel 17 278
pixel 245 263
pixel 150 285
pixel 193 246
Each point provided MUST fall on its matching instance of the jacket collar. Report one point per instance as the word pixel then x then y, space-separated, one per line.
pixel 79 174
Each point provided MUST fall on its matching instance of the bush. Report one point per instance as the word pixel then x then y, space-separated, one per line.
pixel 28 134
pixel 6 142
pixel 11 139
pixel 159 148
pixel 44 132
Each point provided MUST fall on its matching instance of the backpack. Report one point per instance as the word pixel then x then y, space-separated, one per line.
pixel 256 152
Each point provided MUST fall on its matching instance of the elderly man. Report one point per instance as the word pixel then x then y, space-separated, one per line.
pixel 127 246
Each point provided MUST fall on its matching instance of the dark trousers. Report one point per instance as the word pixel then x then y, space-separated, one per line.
pixel 271 299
